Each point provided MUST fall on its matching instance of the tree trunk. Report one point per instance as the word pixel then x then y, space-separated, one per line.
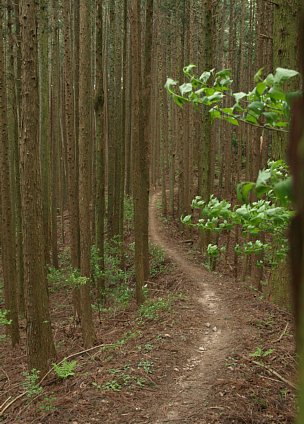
pixel 85 138
pixel 40 346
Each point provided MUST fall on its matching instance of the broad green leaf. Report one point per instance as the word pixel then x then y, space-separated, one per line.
pixel 283 75
pixel 188 69
pixel 243 191
pixel 214 113
pixel 283 190
pixel 205 76
pixel 276 93
pixel 261 87
pixel 239 96
pixel 217 96
pixel 228 110
pixel 185 88
pixel 262 182
pixel 187 219
pixel 256 107
pixel 231 120
pixel 170 83
pixel 269 80
pixel 258 75
pixel 281 124
pixel 271 117
pixel 223 73
pixel 251 119
pixel 180 101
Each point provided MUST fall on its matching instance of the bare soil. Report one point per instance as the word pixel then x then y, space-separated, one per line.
pixel 218 354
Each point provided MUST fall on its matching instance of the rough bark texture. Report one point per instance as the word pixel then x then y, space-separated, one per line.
pixel 40 346
pixel 85 171
pixel 8 237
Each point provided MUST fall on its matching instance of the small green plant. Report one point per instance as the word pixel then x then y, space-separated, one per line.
pixel 114 254
pixel 148 347
pixel 3 317
pixel 75 279
pixel 261 353
pixel 283 394
pixel 128 213
pixel 140 381
pixel 31 383
pixel 65 369
pixel 129 335
pixel 48 404
pixel 55 276
pixel 157 260
pixel 109 386
pixel 151 308
pixel 269 216
pixel 65 258
pixel 146 366
pixel 214 252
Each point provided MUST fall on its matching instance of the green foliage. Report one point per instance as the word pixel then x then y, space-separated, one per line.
pixel 119 297
pixel 47 404
pixel 270 215
pixel 55 275
pixel 114 271
pixel 66 277
pixel 3 317
pixel 121 342
pixel 75 279
pixel 128 212
pixel 31 383
pixel 65 369
pixel 213 252
pixel 124 377
pixel 267 105
pixel 146 365
pixel 261 353
pixel 109 386
pixel 157 260
pixel 151 308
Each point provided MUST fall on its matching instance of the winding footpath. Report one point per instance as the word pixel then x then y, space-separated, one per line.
pixel 187 397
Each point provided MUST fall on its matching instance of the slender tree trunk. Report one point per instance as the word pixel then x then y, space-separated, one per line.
pixel 100 140
pixel 72 147
pixel 40 346
pixel 8 237
pixel 85 171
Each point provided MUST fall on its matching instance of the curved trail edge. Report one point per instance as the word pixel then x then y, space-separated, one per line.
pixel 188 395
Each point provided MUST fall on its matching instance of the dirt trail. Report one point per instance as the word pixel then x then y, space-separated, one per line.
pixel 187 397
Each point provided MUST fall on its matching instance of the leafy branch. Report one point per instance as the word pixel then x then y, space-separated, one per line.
pixel 266 106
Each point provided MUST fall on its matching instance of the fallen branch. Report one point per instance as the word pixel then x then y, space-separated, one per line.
pixel 282 335
pixel 6 405
pixel 273 372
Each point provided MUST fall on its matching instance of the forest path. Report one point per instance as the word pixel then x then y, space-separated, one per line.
pixel 186 401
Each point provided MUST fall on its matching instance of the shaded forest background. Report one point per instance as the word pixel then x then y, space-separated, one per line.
pixel 87 125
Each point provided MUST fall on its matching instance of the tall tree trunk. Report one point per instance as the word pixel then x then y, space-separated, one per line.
pixel 8 237
pixel 100 141
pixel 85 171
pixel 40 346
pixel 72 147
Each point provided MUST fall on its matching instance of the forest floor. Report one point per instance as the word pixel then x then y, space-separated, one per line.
pixel 204 350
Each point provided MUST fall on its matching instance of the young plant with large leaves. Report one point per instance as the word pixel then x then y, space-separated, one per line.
pixel 269 214
pixel 267 105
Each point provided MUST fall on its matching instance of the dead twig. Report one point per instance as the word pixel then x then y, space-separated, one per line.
pixel 282 335
pixel 275 373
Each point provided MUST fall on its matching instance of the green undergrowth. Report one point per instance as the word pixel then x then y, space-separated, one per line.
pixel 118 276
